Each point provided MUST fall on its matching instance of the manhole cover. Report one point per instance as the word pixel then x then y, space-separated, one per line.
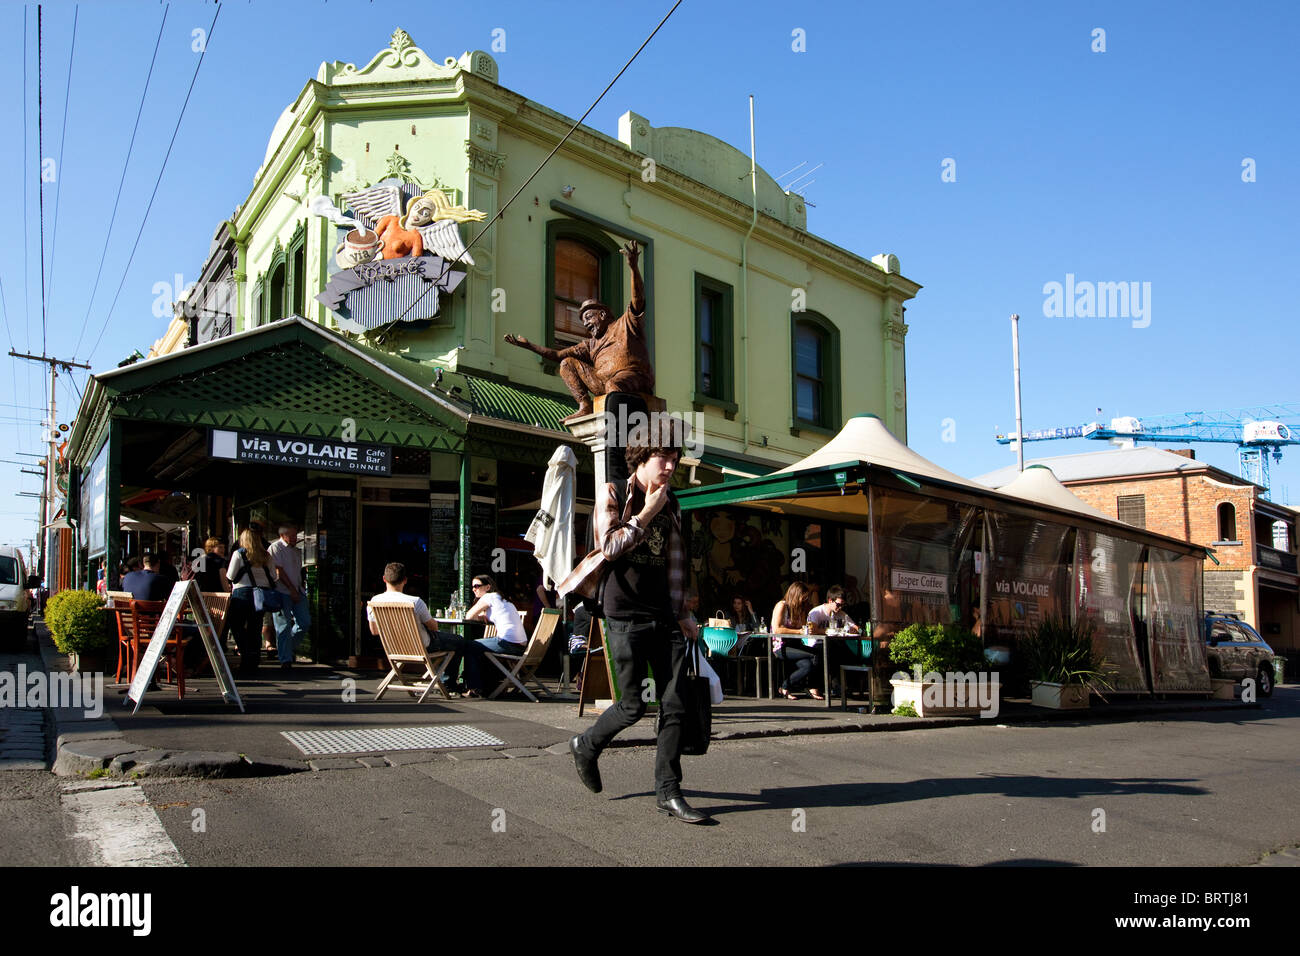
pixel 314 743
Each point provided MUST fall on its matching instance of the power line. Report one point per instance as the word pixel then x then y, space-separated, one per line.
pixel 446 266
pixel 158 181
pixel 63 138
pixel 4 307
pixel 127 162
pixel 40 160
pixel 27 221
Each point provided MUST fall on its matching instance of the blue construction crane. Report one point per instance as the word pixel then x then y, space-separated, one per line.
pixel 1258 431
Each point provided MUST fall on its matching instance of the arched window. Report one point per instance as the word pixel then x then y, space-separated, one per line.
pixel 816 380
pixel 1227 522
pixel 582 262
pixel 277 290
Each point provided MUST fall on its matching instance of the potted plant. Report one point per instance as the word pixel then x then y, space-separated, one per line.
pixel 1063 664
pixel 79 625
pixel 948 676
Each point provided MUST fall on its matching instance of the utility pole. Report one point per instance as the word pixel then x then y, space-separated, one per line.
pixel 1015 362
pixel 48 487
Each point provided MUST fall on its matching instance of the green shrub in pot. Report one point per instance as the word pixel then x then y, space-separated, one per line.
pixel 77 621
pixel 937 647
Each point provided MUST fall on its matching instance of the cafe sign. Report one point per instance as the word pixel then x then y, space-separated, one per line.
pixel 319 454
pixel 924 581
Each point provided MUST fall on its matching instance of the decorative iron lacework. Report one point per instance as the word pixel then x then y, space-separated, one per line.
pixel 295 389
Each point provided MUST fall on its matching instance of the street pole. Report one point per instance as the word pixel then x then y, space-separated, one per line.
pixel 49 486
pixel 1015 362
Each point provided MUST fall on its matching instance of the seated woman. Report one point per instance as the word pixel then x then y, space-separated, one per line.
pixel 743 616
pixel 492 608
pixel 789 617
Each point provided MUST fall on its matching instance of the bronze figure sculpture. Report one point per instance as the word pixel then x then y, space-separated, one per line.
pixel 615 358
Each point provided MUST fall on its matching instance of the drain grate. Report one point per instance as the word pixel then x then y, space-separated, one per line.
pixel 315 743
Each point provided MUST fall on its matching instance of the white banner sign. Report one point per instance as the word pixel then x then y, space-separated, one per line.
pixel 925 581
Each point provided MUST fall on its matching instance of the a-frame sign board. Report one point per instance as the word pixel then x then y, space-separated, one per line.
pixel 184 593
pixel 599 682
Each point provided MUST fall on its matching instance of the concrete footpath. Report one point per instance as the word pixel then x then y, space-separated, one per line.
pixel 337 724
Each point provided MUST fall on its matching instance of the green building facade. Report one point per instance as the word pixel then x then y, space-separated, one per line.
pixel 766 335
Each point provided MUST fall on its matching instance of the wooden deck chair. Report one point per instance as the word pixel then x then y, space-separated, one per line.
pixel 401 634
pixel 520 668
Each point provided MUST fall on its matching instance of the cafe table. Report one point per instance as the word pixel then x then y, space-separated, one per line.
pixel 826 665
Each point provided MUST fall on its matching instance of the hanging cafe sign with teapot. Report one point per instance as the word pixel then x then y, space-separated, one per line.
pixel 397 238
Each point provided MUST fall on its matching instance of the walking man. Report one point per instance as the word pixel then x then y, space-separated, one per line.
pixel 294 615
pixel 638 529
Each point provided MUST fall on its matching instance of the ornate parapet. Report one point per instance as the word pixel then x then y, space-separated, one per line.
pixel 402 61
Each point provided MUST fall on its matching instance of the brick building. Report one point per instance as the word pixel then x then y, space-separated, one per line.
pixel 1253 569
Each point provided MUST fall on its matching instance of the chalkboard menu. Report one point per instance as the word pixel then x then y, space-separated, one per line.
pixel 483 534
pixel 335 549
pixel 444 532
pixel 444 527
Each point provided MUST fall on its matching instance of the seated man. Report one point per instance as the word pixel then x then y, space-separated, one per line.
pixel 146 584
pixel 832 615
pixel 435 640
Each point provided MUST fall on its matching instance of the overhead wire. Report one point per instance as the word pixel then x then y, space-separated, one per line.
pixel 27 220
pixel 63 138
pixel 40 161
pixel 446 267
pixel 127 162
pixel 157 182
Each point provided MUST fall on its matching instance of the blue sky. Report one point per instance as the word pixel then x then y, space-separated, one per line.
pixel 1115 166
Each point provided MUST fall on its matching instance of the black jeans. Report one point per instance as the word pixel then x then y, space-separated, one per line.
pixel 244 624
pixel 633 644
pixel 461 650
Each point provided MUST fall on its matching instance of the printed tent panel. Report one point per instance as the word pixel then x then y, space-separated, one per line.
pixel 1029 575
pixel 1178 661
pixel 923 558
pixel 1106 571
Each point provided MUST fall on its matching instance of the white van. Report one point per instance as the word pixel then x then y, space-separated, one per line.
pixel 14 600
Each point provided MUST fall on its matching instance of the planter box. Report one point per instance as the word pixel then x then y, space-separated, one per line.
pixel 1222 689
pixel 1059 696
pixel 918 693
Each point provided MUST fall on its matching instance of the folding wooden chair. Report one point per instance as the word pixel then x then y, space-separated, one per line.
pixel 401 635
pixel 520 668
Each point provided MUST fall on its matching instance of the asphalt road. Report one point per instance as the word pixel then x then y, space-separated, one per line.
pixel 1196 789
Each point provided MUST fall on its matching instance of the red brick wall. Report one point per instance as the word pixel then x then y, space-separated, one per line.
pixel 1182 506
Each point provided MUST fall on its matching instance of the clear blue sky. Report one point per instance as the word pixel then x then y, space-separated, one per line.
pixel 1117 166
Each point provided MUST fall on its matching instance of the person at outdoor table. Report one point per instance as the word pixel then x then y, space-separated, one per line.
pixel 743 616
pixel 491 608
pixel 210 567
pixel 790 616
pixel 435 640
pixel 832 613
pixel 249 569
pixel 146 584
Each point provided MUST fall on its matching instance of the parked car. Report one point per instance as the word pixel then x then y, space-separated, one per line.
pixel 14 601
pixel 1236 651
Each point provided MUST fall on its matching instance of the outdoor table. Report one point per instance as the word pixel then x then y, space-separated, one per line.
pixel 826 658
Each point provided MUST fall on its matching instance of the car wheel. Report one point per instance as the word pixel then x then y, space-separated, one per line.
pixel 1265 681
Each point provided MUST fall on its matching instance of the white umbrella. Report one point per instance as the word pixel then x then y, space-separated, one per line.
pixel 551 531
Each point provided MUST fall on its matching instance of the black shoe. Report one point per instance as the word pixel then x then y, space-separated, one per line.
pixel 679 808
pixel 285 667
pixel 588 772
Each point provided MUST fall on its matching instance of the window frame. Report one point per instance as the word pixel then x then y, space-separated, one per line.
pixel 1130 499
pixel 611 269
pixel 296 276
pixel 831 417
pixel 723 345
pixel 1218 517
